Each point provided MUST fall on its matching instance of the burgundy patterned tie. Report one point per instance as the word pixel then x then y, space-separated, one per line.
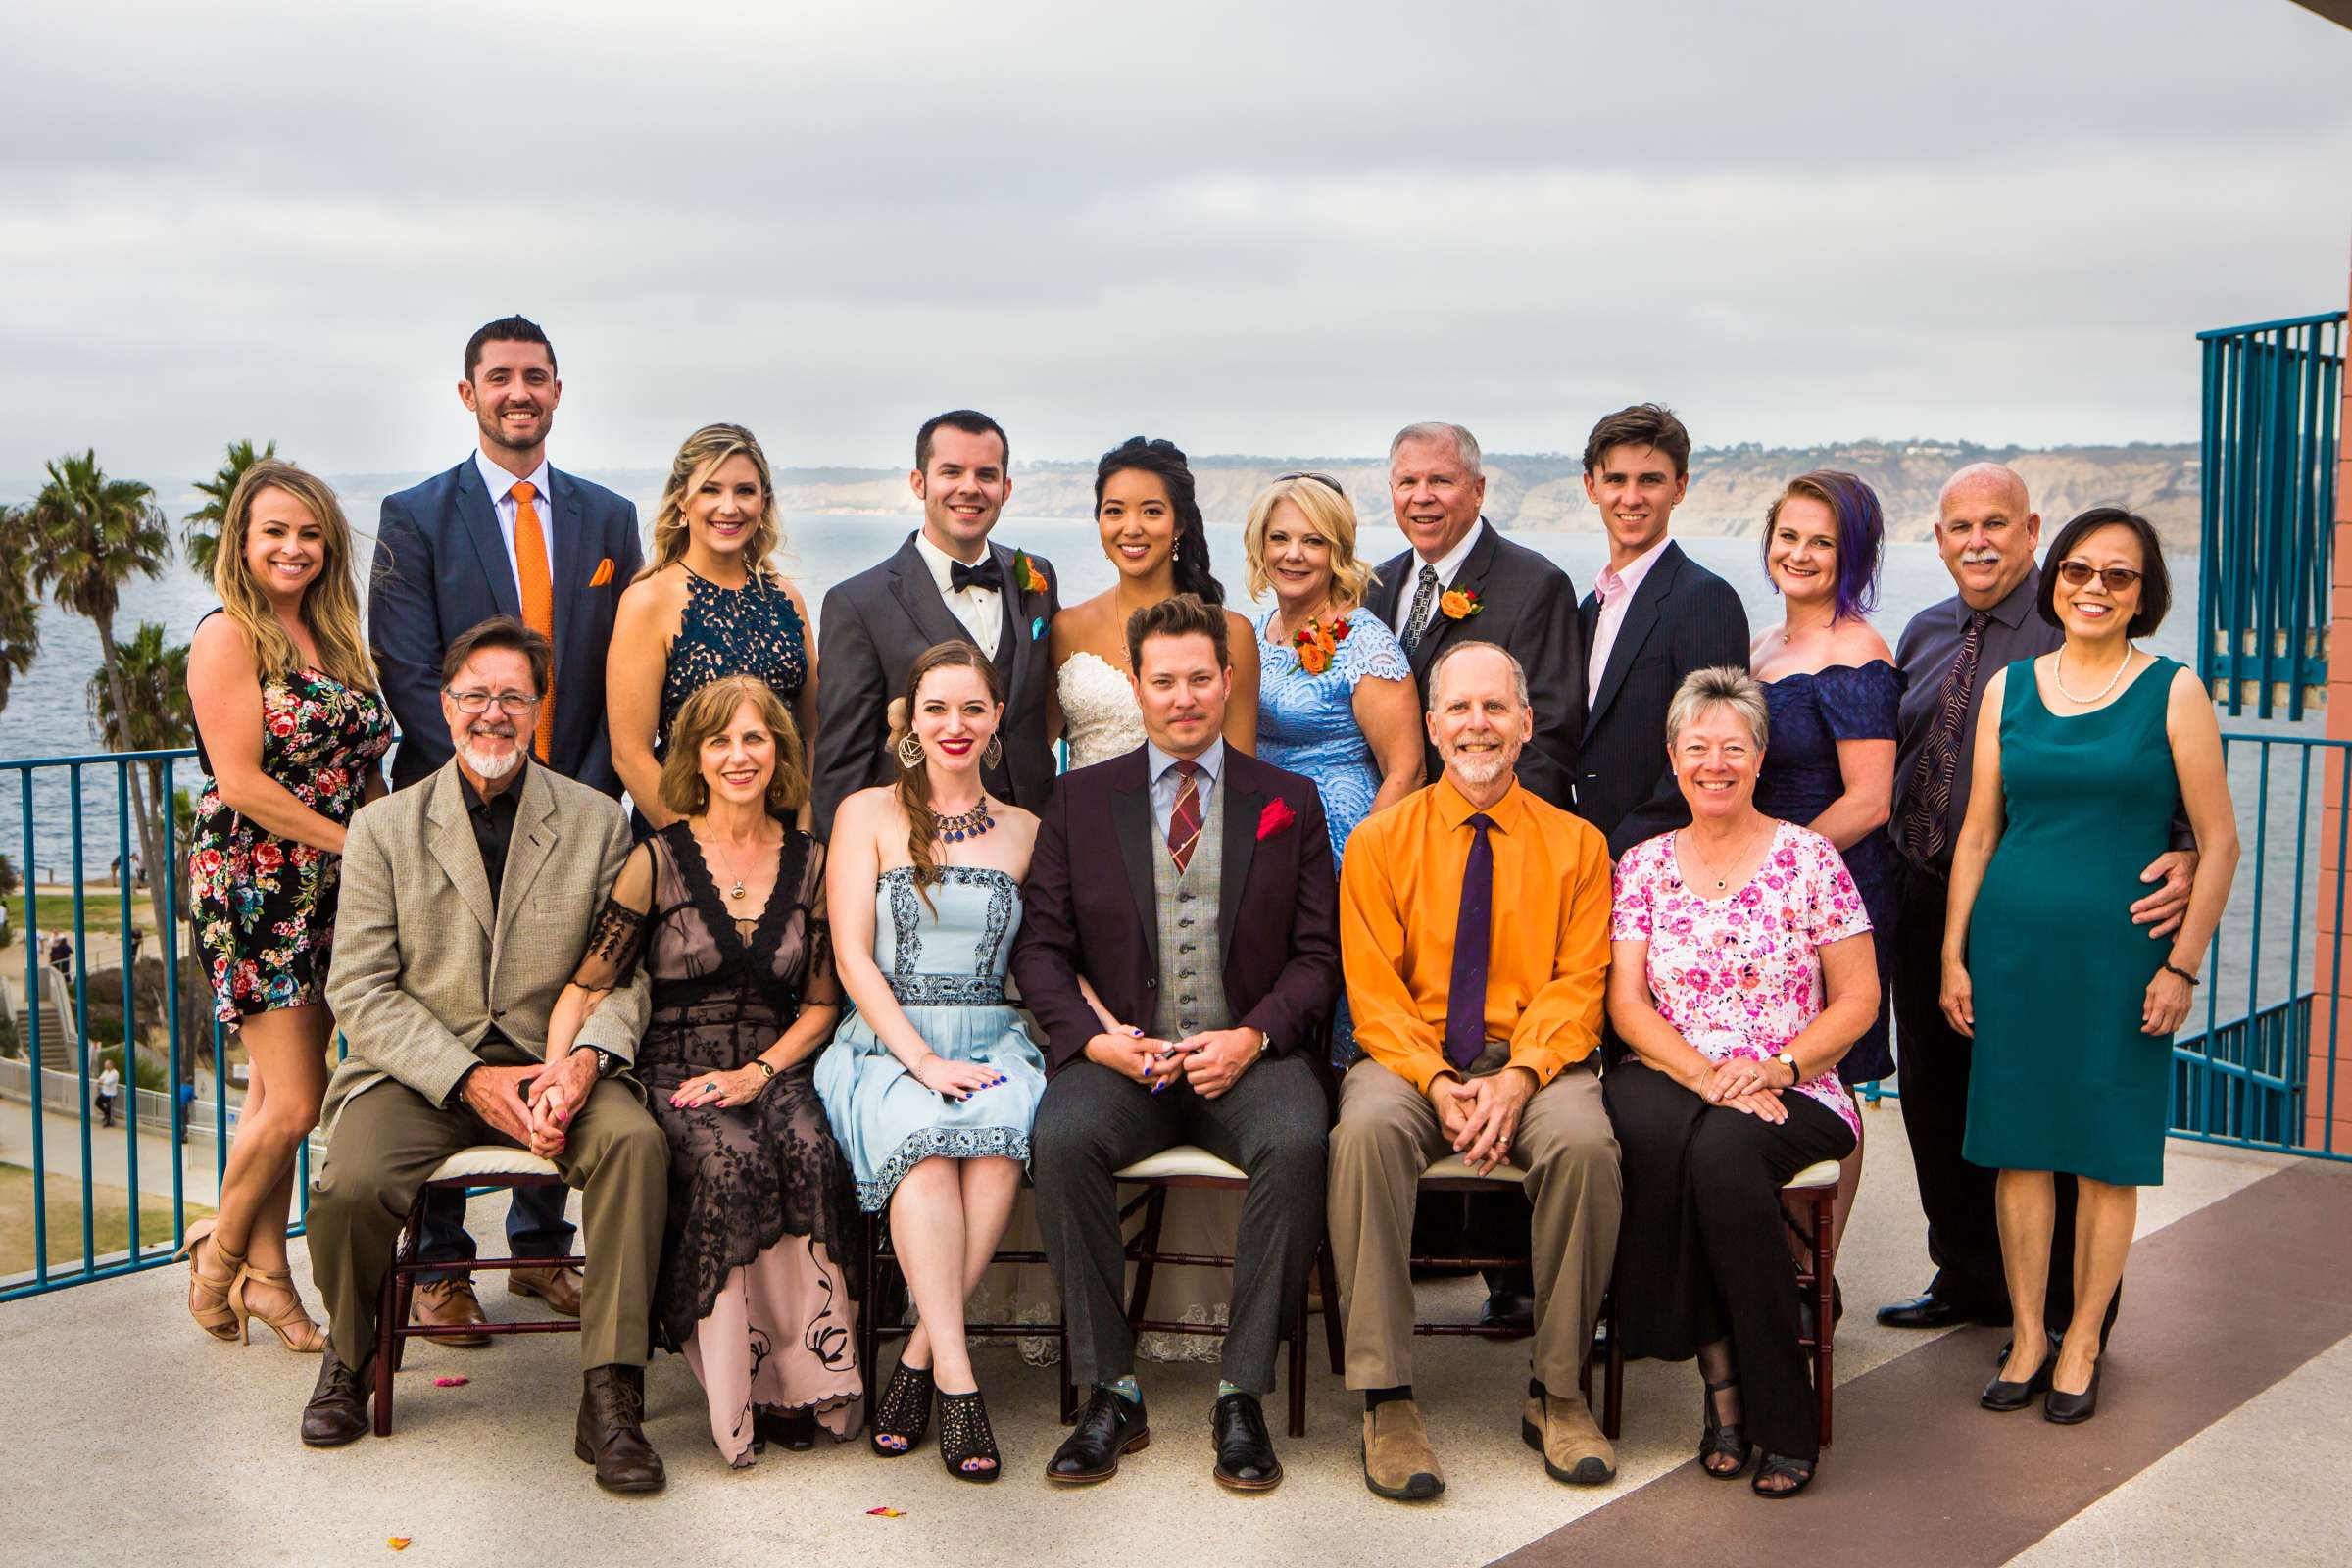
pixel 1927 809
pixel 1473 937
pixel 1184 822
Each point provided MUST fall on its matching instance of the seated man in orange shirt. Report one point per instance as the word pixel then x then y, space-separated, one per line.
pixel 1482 1046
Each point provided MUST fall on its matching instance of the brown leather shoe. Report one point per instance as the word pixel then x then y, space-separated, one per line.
pixel 1397 1459
pixel 338 1409
pixel 610 1434
pixel 1564 1433
pixel 449 1302
pixel 557 1287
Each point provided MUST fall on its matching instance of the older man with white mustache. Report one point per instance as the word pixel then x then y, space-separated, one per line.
pixel 1987 531
pixel 1474 924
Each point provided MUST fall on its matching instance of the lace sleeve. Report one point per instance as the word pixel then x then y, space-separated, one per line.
pixel 823 987
pixel 617 940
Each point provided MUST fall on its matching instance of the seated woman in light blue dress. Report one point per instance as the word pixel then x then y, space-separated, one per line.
pixel 1335 698
pixel 931 1084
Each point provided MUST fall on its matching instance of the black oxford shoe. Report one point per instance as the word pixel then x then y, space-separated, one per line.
pixel 1246 1459
pixel 1111 1425
pixel 338 1409
pixel 1926 1313
pixel 1509 1311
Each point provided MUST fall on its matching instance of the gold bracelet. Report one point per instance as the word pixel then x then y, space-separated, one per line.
pixel 765 1071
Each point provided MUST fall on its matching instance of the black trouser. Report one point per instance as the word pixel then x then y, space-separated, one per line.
pixel 535 1227
pixel 1963 1239
pixel 1093 1121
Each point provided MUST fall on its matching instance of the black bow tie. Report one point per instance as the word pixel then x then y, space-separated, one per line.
pixel 987 574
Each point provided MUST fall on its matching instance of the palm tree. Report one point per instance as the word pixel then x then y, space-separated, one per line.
pixel 20 606
pixel 161 717
pixel 89 536
pixel 200 530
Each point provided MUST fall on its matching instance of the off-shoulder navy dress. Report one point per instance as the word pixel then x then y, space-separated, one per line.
pixel 1810 715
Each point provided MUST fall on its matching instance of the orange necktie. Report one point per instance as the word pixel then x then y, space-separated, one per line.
pixel 538 598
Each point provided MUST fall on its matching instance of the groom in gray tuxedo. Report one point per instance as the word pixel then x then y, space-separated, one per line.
pixel 947 582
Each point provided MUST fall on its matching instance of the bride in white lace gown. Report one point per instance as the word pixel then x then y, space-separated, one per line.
pixel 1098 715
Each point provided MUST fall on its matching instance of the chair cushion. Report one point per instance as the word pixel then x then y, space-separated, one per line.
pixel 1182 1159
pixel 493 1160
pixel 1821 1173
pixel 1454 1167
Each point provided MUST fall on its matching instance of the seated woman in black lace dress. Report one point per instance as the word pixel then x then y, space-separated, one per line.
pixel 726 907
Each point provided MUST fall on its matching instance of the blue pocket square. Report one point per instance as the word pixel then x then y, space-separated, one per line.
pixel 1036 627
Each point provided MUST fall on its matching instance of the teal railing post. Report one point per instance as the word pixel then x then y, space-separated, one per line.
pixel 33 965
pixel 130 1000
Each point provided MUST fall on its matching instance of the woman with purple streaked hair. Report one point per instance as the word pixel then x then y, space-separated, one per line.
pixel 1831 685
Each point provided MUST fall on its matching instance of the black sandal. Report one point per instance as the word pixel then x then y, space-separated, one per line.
pixel 1720 1439
pixel 903 1412
pixel 1778 1467
pixel 965 1438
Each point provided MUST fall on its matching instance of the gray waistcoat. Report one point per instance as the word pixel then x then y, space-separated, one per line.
pixel 1191 970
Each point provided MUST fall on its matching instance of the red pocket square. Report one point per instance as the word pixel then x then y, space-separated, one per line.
pixel 1277 817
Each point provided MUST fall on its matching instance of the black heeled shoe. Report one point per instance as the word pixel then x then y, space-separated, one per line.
pixel 796 1430
pixel 902 1412
pixel 1779 1467
pixel 2004 1395
pixel 965 1438
pixel 1722 1438
pixel 2072 1409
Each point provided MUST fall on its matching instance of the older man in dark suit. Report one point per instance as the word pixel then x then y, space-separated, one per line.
pixel 1218 951
pixel 947 582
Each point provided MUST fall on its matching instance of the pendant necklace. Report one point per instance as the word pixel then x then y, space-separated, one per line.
pixel 964 825
pixel 737 890
pixel 2058 677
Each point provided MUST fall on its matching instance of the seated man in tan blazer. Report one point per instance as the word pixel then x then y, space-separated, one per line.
pixel 467 904
pixel 1474 933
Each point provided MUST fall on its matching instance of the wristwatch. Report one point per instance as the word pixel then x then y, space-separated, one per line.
pixel 1796 1074
pixel 607 1063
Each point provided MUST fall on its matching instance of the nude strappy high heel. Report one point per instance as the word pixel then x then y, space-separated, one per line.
pixel 210 1301
pixel 293 1327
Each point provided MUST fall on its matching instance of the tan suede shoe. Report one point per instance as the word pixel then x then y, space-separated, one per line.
pixel 449 1302
pixel 1564 1433
pixel 557 1287
pixel 1398 1462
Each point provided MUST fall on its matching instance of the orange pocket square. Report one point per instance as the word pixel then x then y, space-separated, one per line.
pixel 603 573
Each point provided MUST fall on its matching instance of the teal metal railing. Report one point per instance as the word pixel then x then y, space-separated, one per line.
pixel 2272 404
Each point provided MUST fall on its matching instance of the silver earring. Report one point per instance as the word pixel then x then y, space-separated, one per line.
pixel 993 753
pixel 910 752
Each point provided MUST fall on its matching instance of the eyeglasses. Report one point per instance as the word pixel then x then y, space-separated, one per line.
pixel 2078 573
pixel 1323 479
pixel 511 704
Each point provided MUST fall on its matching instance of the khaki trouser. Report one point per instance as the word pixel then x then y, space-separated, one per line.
pixel 388 1141
pixel 1388 1135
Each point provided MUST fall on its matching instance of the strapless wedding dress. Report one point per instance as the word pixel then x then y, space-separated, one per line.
pixel 1099 717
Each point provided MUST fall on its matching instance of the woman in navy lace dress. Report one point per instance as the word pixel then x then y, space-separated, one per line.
pixel 1832 685
pixel 709 604
pixel 1335 695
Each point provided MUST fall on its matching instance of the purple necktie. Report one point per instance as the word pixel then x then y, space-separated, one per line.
pixel 1473 936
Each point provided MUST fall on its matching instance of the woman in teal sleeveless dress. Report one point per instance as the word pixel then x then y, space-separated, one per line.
pixel 2072 1008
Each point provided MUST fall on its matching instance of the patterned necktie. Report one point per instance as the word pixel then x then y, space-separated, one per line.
pixel 538 598
pixel 1473 937
pixel 1184 822
pixel 1928 811
pixel 1424 595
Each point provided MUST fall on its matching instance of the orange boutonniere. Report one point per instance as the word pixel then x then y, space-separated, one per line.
pixel 1026 572
pixel 1460 603
pixel 1317 642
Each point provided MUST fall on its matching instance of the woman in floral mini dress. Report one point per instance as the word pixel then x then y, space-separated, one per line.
pixel 290 731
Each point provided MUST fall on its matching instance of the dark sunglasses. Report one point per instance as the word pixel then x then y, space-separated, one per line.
pixel 2078 573
pixel 1323 479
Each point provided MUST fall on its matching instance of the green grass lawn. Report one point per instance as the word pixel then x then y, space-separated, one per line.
pixel 102 910
pixel 111 1221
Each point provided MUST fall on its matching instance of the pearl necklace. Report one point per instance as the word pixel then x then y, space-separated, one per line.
pixel 2058 676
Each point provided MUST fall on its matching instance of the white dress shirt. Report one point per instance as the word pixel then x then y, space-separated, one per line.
pixel 1616 590
pixel 1449 564
pixel 977 609
pixel 501 485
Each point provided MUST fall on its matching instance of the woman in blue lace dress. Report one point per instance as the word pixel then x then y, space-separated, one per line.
pixel 1334 696
pixel 709 604
pixel 931 1084
pixel 1831 685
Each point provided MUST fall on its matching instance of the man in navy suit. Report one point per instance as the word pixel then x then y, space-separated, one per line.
pixel 502 535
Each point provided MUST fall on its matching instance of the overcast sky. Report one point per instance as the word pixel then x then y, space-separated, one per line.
pixel 1280 228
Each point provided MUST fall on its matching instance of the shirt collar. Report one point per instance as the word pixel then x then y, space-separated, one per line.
pixel 499 482
pixel 1450 563
pixel 475 801
pixel 1630 579
pixel 2014 607
pixel 1454 808
pixel 1210 762
pixel 942 564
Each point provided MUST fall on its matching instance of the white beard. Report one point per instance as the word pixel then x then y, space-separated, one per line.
pixel 1478 770
pixel 489 768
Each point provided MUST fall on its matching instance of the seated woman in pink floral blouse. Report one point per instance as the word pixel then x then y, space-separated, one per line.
pixel 1740 970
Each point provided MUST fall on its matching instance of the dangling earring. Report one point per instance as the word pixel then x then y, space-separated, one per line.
pixel 1176 550
pixel 993 753
pixel 910 751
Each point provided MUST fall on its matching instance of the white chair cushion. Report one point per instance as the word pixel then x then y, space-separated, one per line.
pixel 1455 1167
pixel 1821 1173
pixel 1184 1160
pixel 496 1159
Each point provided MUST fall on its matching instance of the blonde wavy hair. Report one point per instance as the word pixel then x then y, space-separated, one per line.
pixel 704 452
pixel 331 605
pixel 1331 513
pixel 709 711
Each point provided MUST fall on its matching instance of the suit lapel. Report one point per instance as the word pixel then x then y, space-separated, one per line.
pixel 452 845
pixel 1382 600
pixel 533 841
pixel 1473 574
pixel 480 518
pixel 567 558
pixel 1640 617
pixel 917 593
pixel 1014 646
pixel 1131 821
pixel 1241 806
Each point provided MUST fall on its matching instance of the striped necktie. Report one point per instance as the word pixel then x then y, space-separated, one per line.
pixel 538 595
pixel 1184 822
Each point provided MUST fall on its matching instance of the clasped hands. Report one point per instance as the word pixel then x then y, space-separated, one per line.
pixel 1212 1062
pixel 1744 1084
pixel 532 1103
pixel 1481 1115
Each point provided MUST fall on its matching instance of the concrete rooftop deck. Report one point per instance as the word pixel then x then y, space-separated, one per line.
pixel 2223 1437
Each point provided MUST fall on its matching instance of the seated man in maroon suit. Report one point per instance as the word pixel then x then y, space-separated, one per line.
pixel 1191 885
